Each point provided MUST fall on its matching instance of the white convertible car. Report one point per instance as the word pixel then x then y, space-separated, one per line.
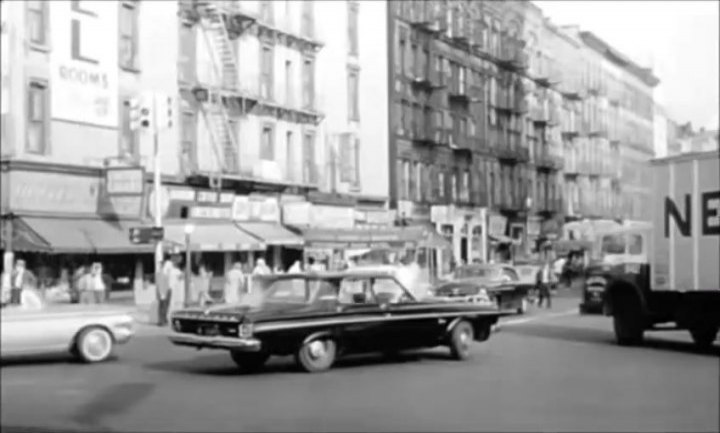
pixel 89 332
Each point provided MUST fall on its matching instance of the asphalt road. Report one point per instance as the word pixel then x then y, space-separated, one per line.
pixel 549 371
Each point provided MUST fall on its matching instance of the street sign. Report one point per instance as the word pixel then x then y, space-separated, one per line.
pixel 146 235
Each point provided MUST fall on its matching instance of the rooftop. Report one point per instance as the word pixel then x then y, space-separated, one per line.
pixel 620 59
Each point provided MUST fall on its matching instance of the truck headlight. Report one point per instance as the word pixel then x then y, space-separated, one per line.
pixel 245 330
pixel 176 325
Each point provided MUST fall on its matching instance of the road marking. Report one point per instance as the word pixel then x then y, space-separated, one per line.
pixel 539 318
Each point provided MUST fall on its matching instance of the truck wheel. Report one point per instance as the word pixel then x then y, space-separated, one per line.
pixel 704 336
pixel 627 321
pixel 249 362
pixel 317 355
pixel 461 337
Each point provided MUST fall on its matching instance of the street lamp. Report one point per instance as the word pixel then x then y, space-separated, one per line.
pixel 188 229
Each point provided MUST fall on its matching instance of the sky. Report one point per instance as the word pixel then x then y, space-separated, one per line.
pixel 679 39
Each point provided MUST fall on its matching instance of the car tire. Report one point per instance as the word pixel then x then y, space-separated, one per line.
pixel 627 321
pixel 461 337
pixel 249 362
pixel 703 336
pixel 317 355
pixel 93 345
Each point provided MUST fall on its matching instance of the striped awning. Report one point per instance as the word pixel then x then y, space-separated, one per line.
pixel 271 233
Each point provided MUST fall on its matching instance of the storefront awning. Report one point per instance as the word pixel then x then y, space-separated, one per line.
pixel 271 233
pixel 74 236
pixel 212 236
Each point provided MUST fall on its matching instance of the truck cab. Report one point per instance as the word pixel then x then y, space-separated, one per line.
pixel 616 255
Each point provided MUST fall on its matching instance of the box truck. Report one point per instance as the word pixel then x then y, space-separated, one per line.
pixel 667 275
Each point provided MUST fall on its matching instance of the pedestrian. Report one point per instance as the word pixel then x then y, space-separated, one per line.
pixel 97 284
pixel 261 268
pixel 234 282
pixel 296 268
pixel 544 281
pixel 170 287
pixel 21 278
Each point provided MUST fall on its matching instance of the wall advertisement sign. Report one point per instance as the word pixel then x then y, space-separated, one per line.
pixel 497 224
pixel 83 70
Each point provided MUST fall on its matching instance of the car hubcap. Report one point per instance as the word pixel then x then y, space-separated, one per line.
pixel 317 349
pixel 464 339
pixel 96 345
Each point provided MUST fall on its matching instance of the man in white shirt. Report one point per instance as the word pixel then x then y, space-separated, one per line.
pixel 544 284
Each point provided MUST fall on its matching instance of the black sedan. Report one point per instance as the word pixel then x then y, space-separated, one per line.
pixel 501 282
pixel 320 316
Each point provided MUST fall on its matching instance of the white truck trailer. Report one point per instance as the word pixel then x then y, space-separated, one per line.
pixel 669 276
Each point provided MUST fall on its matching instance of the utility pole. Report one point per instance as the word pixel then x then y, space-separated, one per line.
pixel 157 188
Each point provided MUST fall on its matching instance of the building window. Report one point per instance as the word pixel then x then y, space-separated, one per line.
pixel 37 17
pixel 308 74
pixel 129 34
pixel 356 162
pixel 419 184
pixel 37 123
pixel 465 186
pixel 405 180
pixel 309 170
pixel 353 28
pixel 188 131
pixel 266 72
pixel 186 54
pixel 442 188
pixel 308 22
pixel 128 138
pixel 289 156
pixel 289 84
pixel 353 94
pixel 453 187
pixel 266 11
pixel 400 54
pixel 267 143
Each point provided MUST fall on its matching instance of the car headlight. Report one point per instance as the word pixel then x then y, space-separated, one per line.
pixel 245 330
pixel 483 296
pixel 176 325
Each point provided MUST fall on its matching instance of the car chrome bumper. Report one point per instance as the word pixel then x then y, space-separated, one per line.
pixel 227 343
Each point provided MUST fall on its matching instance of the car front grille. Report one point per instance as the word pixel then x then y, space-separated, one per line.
pixel 205 327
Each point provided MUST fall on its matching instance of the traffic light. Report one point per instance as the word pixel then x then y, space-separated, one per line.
pixel 146 116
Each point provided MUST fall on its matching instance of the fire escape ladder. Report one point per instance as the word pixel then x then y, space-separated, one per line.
pixel 225 69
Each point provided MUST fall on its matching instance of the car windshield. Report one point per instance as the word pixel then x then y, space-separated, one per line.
pixel 477 272
pixel 298 290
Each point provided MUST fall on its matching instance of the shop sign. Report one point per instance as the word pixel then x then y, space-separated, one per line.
pixel 497 225
pixel 83 71
pixel 227 197
pixel 206 197
pixel 179 193
pixel 374 217
pixel 256 208
pixel 53 192
pixel 296 213
pixel 124 181
pixel 210 212
pixel 121 205
pixel 332 216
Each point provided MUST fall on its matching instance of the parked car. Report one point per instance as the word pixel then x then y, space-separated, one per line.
pixel 321 316
pixel 501 282
pixel 88 332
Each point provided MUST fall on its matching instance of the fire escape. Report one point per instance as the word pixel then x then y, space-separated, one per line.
pixel 222 98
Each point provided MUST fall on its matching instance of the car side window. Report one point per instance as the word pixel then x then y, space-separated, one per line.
pixel 355 291
pixel 388 290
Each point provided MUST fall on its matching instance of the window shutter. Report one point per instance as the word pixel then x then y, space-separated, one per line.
pixel 356 160
pixel 345 155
